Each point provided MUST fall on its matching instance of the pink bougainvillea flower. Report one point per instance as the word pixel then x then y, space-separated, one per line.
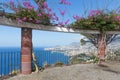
pixel 12 5
pixel 76 17
pixel 66 22
pixel 54 14
pixel 17 10
pixel 62 1
pixel 37 21
pixel 37 11
pixel 94 12
pixel 30 19
pixel 38 3
pixel 26 3
pixel 119 11
pixel 56 18
pixel 30 8
pixel 45 5
pixel 43 13
pixel 11 2
pixel 62 12
pixel 60 23
pixel 24 19
pixel 39 15
pixel 65 2
pixel 49 9
pixel 19 20
pixel 117 18
pixel 50 15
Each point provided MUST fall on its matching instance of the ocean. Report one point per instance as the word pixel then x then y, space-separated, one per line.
pixel 10 58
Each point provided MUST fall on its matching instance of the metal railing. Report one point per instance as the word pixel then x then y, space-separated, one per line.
pixel 50 57
pixel 9 64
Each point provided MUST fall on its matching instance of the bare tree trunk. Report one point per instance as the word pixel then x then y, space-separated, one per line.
pixel 101 46
pixel 35 62
pixel 26 50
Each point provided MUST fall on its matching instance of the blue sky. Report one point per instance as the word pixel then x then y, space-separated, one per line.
pixel 11 37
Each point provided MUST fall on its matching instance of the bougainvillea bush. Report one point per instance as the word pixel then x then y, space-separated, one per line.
pixel 38 12
pixel 26 12
pixel 98 20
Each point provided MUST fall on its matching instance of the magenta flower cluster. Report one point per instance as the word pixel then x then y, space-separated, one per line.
pixel 65 2
pixel 42 12
pixel 26 12
pixel 28 5
pixel 63 23
pixel 95 12
pixel 76 17
pixel 117 18
pixel 62 12
pixel 90 14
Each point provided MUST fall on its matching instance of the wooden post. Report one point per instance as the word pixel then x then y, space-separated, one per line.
pixel 26 50
pixel 101 46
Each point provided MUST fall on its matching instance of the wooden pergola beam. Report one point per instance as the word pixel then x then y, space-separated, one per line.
pixel 13 23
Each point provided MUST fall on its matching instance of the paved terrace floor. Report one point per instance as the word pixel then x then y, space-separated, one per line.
pixel 108 71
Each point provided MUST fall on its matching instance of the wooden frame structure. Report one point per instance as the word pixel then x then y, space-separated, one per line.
pixel 26 40
pixel 14 23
